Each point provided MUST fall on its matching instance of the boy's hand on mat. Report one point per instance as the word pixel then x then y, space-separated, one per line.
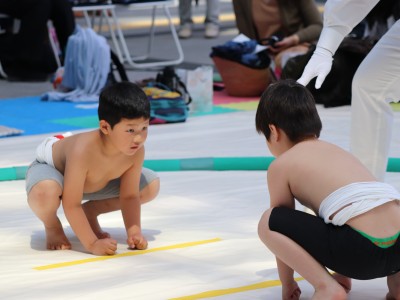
pixel 319 66
pixel 344 281
pixel 291 291
pixel 137 241
pixel 104 247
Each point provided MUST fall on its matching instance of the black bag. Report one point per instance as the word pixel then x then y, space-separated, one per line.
pixel 116 68
pixel 169 80
pixel 87 2
pixel 336 88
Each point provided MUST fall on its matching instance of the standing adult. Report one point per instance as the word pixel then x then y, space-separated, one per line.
pixel 375 84
pixel 211 21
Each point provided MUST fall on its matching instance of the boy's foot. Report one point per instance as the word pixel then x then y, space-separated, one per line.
pixel 94 223
pixel 212 31
pixel 389 297
pixel 56 239
pixel 393 282
pixel 330 292
pixel 344 281
pixel 185 31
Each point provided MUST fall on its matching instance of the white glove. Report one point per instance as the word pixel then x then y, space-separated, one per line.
pixel 319 66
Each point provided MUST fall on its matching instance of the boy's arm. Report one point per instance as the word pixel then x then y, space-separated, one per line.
pixel 290 288
pixel 74 179
pixel 280 195
pixel 130 202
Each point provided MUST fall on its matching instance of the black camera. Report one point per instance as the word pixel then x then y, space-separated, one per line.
pixel 270 41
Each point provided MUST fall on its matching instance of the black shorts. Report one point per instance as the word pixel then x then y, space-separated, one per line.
pixel 339 248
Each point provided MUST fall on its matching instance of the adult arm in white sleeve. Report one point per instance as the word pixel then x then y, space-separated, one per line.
pixel 340 17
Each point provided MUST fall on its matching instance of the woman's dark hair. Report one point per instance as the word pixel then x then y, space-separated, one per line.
pixel 291 107
pixel 123 100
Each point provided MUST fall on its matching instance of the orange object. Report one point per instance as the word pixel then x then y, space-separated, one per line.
pixel 242 81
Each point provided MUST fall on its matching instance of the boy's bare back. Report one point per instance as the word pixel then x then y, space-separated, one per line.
pixel 354 210
pixel 313 169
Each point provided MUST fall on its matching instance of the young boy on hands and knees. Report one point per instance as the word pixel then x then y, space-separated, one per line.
pixel 103 166
pixel 357 223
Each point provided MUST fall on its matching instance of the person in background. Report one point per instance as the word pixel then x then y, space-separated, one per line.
pixel 294 24
pixel 376 82
pixel 27 54
pixel 211 19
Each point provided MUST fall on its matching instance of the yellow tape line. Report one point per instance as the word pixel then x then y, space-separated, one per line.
pixel 217 293
pixel 131 253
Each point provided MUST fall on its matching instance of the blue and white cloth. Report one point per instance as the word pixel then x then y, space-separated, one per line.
pixel 86 67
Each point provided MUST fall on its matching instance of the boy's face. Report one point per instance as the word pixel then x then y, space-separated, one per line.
pixel 129 135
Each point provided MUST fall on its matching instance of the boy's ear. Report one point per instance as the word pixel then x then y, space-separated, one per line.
pixel 104 127
pixel 274 132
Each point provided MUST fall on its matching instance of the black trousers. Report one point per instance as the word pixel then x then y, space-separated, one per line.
pixel 30 46
pixel 339 248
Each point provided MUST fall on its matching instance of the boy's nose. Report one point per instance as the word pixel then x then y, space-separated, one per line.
pixel 137 139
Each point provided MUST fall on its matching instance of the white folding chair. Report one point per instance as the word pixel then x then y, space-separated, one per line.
pixel 55 46
pixel 154 5
pixel 107 12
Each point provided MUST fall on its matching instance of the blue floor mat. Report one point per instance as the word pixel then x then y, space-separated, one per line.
pixel 34 116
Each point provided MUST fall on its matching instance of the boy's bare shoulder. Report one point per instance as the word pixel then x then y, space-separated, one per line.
pixel 302 153
pixel 312 148
pixel 77 147
pixel 279 165
pixel 85 143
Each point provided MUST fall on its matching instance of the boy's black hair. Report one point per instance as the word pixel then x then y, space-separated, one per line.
pixel 291 107
pixel 123 100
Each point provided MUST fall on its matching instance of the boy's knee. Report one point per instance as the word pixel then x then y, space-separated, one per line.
pixel 150 192
pixel 45 190
pixel 154 189
pixel 263 224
